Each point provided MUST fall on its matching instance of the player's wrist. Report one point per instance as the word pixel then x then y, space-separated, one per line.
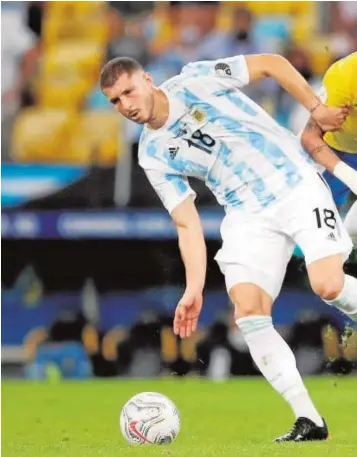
pixel 315 107
pixel 194 288
pixel 346 174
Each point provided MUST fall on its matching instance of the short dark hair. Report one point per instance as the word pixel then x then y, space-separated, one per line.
pixel 116 67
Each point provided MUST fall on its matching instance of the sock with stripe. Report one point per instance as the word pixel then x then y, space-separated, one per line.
pixel 277 363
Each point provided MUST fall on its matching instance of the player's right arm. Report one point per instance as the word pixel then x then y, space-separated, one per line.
pixel 178 198
pixel 193 252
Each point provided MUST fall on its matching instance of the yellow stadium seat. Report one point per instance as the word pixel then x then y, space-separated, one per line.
pixel 41 135
pixel 56 30
pixel 68 92
pixel 60 136
pixel 290 7
pixel 81 58
pixel 67 9
pixel 99 137
pixel 76 21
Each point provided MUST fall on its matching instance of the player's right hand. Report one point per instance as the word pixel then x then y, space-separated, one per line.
pixel 187 313
pixel 330 118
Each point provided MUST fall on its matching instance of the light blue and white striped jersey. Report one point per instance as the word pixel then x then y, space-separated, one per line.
pixel 217 134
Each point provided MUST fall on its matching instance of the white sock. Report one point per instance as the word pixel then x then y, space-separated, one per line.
pixel 351 220
pixel 347 300
pixel 277 363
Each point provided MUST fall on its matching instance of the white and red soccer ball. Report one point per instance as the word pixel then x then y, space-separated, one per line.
pixel 149 418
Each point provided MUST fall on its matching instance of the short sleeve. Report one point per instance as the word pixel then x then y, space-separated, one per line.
pixel 233 68
pixel 172 189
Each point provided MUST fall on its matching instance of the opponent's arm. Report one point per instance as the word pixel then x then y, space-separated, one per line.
pixel 193 252
pixel 312 141
pixel 277 67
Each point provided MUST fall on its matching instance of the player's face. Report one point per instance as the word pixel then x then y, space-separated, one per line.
pixel 132 95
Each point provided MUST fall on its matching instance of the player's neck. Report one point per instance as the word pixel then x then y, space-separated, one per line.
pixel 161 110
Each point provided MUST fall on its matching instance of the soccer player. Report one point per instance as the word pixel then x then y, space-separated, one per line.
pixel 199 124
pixel 337 151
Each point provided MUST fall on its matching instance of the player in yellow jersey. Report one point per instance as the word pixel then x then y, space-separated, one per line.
pixel 337 151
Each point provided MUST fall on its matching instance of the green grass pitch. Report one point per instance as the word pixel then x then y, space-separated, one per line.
pixel 235 418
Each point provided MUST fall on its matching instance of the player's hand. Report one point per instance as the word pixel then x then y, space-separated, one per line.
pixel 330 118
pixel 187 312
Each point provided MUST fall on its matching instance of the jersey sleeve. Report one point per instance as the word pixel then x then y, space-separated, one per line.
pixel 337 91
pixel 172 189
pixel 234 69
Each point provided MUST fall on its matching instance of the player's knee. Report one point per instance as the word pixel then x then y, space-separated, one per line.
pixel 243 309
pixel 328 289
pixel 248 301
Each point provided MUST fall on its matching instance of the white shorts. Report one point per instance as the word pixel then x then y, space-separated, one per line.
pixel 257 248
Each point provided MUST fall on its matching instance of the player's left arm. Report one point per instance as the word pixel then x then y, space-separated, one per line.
pixel 261 66
pixel 312 141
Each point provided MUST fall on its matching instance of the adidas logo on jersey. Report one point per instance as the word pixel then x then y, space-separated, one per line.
pixel 332 237
pixel 173 152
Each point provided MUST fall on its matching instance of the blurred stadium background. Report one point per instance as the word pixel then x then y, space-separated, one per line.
pixel 91 271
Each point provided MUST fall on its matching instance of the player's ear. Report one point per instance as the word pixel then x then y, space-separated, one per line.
pixel 148 78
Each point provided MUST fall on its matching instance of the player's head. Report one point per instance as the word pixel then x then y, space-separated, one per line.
pixel 129 88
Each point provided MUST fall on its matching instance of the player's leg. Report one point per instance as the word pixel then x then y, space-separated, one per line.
pixel 254 259
pixel 318 229
pixel 329 282
pixel 269 350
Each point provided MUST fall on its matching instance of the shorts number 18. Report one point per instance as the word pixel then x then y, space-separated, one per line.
pixel 328 218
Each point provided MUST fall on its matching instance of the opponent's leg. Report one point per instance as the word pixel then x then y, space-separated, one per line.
pixel 329 282
pixel 270 352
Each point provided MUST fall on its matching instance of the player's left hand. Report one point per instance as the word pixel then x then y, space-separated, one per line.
pixel 187 313
pixel 330 118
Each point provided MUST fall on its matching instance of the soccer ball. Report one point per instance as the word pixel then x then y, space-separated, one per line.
pixel 149 418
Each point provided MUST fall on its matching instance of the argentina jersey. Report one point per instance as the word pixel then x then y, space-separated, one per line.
pixel 217 134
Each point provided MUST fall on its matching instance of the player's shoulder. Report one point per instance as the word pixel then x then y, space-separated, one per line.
pixel 174 86
pixel 200 71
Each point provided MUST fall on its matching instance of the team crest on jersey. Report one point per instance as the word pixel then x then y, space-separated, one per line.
pixel 198 115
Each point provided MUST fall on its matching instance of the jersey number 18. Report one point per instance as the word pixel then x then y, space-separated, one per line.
pixel 203 141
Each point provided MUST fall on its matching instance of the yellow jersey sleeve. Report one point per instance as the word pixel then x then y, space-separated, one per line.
pixel 340 89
